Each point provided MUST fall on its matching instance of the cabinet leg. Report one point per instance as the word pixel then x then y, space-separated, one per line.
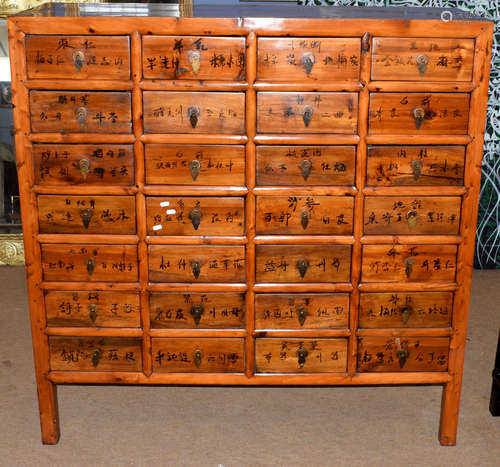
pixel 450 406
pixel 49 413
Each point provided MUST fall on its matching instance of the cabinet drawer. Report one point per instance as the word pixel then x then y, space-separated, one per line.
pixel 422 59
pixel 415 165
pixel 93 309
pixel 198 355
pixel 300 355
pixel 305 165
pixel 83 164
pixel 403 354
pixel 303 263
pixel 418 113
pixel 301 311
pixel 328 215
pixel 107 263
pixel 185 263
pixel 80 112
pixel 307 112
pixel 197 310
pixel 431 215
pixel 195 216
pixel 86 214
pixel 194 112
pixel 193 57
pixel 78 57
pixel 178 164
pixel 405 309
pixel 306 58
pixel 409 263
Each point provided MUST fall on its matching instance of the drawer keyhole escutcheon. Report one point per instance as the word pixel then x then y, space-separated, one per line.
pixel 195 216
pixel 93 312
pixel 422 61
pixel 196 312
pixel 86 215
pixel 194 167
pixel 304 218
pixel 411 217
pixel 198 356
pixel 308 60
pixel 418 116
pixel 302 266
pixel 90 266
pixel 81 115
pixel 196 268
pixel 78 59
pixel 194 57
pixel 409 266
pixel 84 168
pixel 402 357
pixel 95 357
pixel 301 357
pixel 302 315
pixel 193 114
pixel 305 167
pixel 406 312
pixel 307 115
pixel 416 167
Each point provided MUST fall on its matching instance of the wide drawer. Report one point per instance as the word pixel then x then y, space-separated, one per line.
pixel 301 311
pixel 193 57
pixel 198 355
pixel 186 263
pixel 307 112
pixel 77 57
pixel 195 216
pixel 86 214
pixel 80 112
pixel 281 215
pixel 92 309
pixel 184 164
pixel 394 354
pixel 194 112
pixel 300 355
pixel 95 354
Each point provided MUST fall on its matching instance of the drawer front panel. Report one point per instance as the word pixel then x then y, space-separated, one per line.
pixel 78 57
pixel 300 355
pixel 305 165
pixel 415 165
pixel 94 263
pixel 307 112
pixel 95 354
pixel 197 310
pixel 409 263
pixel 405 310
pixel 198 355
pixel 419 59
pixel 83 164
pixel 193 57
pixel 86 214
pixel 195 216
pixel 301 311
pixel 303 263
pixel 80 112
pixel 431 215
pixel 281 215
pixel 305 58
pixel 184 263
pixel 396 354
pixel 176 164
pixel 194 112
pixel 93 309
pixel 419 113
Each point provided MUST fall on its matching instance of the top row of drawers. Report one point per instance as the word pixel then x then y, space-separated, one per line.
pixel 223 58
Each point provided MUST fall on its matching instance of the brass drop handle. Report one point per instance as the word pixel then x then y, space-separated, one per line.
pixel 193 114
pixel 194 168
pixel 402 355
pixel 302 314
pixel 78 59
pixel 305 167
pixel 194 58
pixel 416 167
pixel 406 312
pixel 196 268
pixel 411 217
pixel 84 168
pixel 195 216
pixel 409 266
pixel 301 357
pixel 307 115
pixel 302 265
pixel 81 115
pixel 422 61
pixel 90 265
pixel 418 116
pixel 304 218
pixel 196 312
pixel 198 357
pixel 86 215
pixel 95 357
pixel 93 308
pixel 308 60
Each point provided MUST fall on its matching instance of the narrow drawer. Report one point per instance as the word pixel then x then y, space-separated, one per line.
pixel 307 58
pixel 432 215
pixel 305 165
pixel 405 310
pixel 193 57
pixel 422 59
pixel 415 165
pixel 394 354
pixel 77 57
pixel 96 308
pixel 195 216
pixel 83 164
pixel 194 112
pixel 86 214
pixel 327 215
pixel 300 355
pixel 418 113
pixel 197 310
pixel 95 354
pixel 409 263
pixel 107 263
pixel 301 311
pixel 303 263
pixel 80 112
pixel 184 164
pixel 186 263
pixel 198 355
pixel 307 112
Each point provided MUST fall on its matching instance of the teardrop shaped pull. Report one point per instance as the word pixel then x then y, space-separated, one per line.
pixel 409 266
pixel 418 116
pixel 406 312
pixel 195 216
pixel 308 60
pixel 301 357
pixel 416 167
pixel 194 167
pixel 194 58
pixel 304 218
pixel 193 114
pixel 302 314
pixel 86 215
pixel 196 268
pixel 93 312
pixel 196 312
pixel 402 357
pixel 78 59
pixel 90 265
pixel 81 115
pixel 302 265
pixel 307 115
pixel 95 357
pixel 422 61
pixel 198 357
pixel 305 167
pixel 84 168
pixel 411 217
